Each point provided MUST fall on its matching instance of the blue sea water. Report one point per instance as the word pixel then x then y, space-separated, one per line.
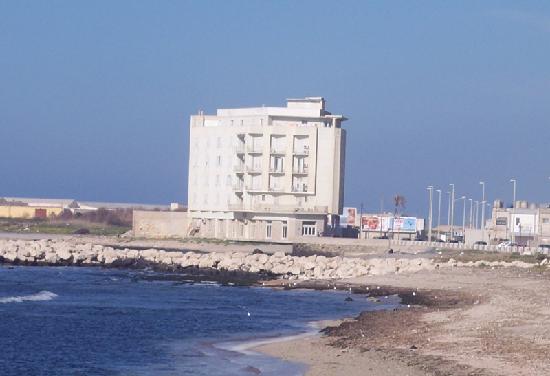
pixel 94 321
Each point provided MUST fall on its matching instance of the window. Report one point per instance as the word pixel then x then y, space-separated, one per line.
pixel 268 229
pixel 546 220
pixel 285 230
pixel 309 228
pixel 219 159
pixel 263 197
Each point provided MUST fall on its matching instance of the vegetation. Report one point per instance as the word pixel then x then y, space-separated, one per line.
pixel 98 222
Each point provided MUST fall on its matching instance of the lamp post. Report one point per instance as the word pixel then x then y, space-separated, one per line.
pixel 477 214
pixel 452 208
pixel 471 212
pixel 463 198
pixel 449 210
pixel 430 189
pixel 438 213
pixel 514 182
pixel 482 210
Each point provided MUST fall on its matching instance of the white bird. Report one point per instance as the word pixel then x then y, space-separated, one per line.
pixel 248 314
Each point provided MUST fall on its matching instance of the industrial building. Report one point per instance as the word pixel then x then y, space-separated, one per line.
pixel 266 173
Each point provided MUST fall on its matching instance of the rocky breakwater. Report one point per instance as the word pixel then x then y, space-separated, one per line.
pixel 63 252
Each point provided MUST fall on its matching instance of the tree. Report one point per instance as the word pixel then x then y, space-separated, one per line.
pixel 399 202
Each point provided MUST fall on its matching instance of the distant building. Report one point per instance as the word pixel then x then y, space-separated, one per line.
pixel 524 224
pixel 266 173
pixel 23 207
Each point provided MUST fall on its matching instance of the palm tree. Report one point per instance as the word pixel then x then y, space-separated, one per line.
pixel 399 202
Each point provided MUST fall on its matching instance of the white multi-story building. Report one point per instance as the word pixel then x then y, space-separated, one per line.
pixel 266 173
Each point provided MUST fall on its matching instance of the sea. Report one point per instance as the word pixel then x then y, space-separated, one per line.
pixel 98 321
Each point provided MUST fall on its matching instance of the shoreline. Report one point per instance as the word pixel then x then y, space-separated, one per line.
pixel 463 318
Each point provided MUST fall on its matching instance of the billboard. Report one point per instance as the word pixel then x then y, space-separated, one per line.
pixel 524 224
pixel 349 217
pixel 404 224
pixel 376 223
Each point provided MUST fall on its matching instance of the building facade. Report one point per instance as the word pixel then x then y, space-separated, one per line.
pixel 265 173
pixel 524 224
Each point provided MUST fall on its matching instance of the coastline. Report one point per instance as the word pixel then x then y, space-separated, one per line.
pixel 465 317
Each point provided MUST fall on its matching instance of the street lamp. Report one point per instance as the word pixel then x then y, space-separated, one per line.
pixel 438 213
pixel 514 182
pixel 452 208
pixel 463 198
pixel 477 214
pixel 471 212
pixel 430 189
pixel 482 210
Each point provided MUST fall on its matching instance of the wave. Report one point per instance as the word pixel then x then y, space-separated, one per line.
pixel 41 296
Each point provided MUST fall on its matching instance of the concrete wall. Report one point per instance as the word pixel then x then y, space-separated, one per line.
pixel 160 224
pixel 26 211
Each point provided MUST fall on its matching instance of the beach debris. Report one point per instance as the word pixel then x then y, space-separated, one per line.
pixel 413 347
pixel 390 251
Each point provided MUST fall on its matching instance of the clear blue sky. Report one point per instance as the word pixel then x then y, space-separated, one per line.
pixel 95 96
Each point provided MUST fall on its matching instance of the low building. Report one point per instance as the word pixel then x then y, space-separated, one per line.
pixel 524 223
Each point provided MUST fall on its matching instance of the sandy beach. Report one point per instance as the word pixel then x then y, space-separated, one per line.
pixel 470 321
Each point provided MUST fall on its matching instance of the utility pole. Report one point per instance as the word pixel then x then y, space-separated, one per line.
pixel 430 189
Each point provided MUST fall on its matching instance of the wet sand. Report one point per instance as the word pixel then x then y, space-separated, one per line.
pixel 462 321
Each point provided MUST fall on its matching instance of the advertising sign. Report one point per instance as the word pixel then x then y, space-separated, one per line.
pixel 404 224
pixel 524 224
pixel 502 221
pixel 375 223
pixel 349 217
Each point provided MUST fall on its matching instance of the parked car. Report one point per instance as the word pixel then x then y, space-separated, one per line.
pixel 480 242
pixel 507 244
pixel 544 246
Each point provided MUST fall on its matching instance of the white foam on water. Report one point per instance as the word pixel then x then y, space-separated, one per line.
pixel 41 296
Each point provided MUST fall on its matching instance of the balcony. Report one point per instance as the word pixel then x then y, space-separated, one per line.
pixel 301 151
pixel 236 207
pixel 254 149
pixel 253 188
pixel 276 170
pixel 300 171
pixel 276 188
pixel 299 188
pixel 237 187
pixel 254 169
pixel 277 151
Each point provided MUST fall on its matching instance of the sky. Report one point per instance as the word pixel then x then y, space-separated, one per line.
pixel 95 96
